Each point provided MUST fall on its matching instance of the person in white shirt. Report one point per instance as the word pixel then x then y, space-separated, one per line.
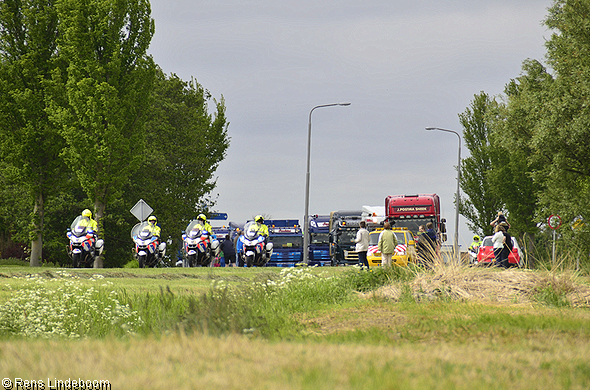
pixel 362 244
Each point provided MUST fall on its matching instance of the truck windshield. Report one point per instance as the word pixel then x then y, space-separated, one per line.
pixel 399 236
pixel 347 236
pixel 412 224
pixel 286 242
pixel 320 238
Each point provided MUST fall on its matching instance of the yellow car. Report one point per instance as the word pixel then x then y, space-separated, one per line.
pixel 404 252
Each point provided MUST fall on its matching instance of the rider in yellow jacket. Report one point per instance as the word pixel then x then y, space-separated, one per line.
pixel 152 224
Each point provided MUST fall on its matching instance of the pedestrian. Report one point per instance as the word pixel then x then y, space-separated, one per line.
pixel 498 245
pixel 501 220
pixel 240 249
pixel 229 251
pixel 424 247
pixel 387 243
pixel 433 237
pixel 362 244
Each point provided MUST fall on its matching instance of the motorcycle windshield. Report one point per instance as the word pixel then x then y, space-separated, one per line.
pixel 141 231
pixel 78 227
pixel 251 231
pixel 193 230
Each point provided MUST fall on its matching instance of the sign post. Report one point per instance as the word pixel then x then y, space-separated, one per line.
pixel 141 210
pixel 554 222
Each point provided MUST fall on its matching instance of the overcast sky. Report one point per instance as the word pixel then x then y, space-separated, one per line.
pixel 403 65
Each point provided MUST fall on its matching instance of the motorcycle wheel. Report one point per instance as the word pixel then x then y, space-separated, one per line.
pixel 141 260
pixel 76 260
pixel 203 260
pixel 192 260
pixel 241 260
pixel 249 261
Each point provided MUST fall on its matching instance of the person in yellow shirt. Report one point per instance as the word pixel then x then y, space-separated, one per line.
pixel 154 228
pixel 203 224
pixel 259 226
pixel 87 221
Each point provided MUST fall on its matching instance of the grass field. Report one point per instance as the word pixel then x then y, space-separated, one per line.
pixel 328 328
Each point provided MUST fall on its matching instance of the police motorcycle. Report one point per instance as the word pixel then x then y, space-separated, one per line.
pixel 199 247
pixel 84 248
pixel 149 251
pixel 254 250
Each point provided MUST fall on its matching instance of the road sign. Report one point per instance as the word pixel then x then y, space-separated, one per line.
pixel 141 210
pixel 218 216
pixel 554 221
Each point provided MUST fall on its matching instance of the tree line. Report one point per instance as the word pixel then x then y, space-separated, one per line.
pixel 530 146
pixel 88 120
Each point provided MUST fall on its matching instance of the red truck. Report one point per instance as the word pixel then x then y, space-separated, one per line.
pixel 411 211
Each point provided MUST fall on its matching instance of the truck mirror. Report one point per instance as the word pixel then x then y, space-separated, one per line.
pixel 443 237
pixel 443 227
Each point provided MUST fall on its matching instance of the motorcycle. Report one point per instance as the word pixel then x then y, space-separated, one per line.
pixel 84 248
pixel 199 247
pixel 149 250
pixel 254 251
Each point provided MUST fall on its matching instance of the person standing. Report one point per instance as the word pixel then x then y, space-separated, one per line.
pixel 362 244
pixel 498 245
pixel 229 251
pixel 500 220
pixel 387 243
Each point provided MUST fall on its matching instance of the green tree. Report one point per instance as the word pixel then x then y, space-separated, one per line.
pixel 29 143
pixel 482 201
pixel 101 101
pixel 562 138
pixel 186 145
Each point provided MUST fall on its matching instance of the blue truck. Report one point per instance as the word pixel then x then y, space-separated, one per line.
pixel 287 239
pixel 319 242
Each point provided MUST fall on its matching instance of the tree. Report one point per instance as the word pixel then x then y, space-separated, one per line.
pixel 186 145
pixel 30 143
pixel 101 101
pixel 482 201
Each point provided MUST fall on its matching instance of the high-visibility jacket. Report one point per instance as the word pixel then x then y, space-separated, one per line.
pixel 154 229
pixel 261 228
pixel 207 227
pixel 88 223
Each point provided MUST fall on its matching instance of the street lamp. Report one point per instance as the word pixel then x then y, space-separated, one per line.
pixel 456 243
pixel 306 216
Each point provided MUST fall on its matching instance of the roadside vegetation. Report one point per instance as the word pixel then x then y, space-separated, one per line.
pixel 449 327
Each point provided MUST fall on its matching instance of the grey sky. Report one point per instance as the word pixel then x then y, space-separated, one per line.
pixel 404 65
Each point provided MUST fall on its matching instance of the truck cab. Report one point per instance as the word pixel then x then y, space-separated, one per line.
pixel 413 210
pixel 343 228
pixel 287 239
pixel 319 243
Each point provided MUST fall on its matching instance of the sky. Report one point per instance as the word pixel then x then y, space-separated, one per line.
pixel 403 66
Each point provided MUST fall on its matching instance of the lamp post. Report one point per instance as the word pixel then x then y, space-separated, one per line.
pixel 306 216
pixel 456 242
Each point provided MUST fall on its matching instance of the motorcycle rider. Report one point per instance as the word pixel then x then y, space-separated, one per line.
pixel 260 227
pixel 87 220
pixel 90 224
pixel 203 224
pixel 154 228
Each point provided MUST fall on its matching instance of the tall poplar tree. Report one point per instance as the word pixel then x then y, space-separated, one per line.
pixel 481 202
pixel 29 143
pixel 102 99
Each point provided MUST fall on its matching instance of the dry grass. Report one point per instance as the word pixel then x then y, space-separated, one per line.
pixel 491 285
pixel 201 362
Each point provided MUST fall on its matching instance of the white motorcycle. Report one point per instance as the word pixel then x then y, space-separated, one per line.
pixel 254 251
pixel 199 247
pixel 149 250
pixel 84 248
